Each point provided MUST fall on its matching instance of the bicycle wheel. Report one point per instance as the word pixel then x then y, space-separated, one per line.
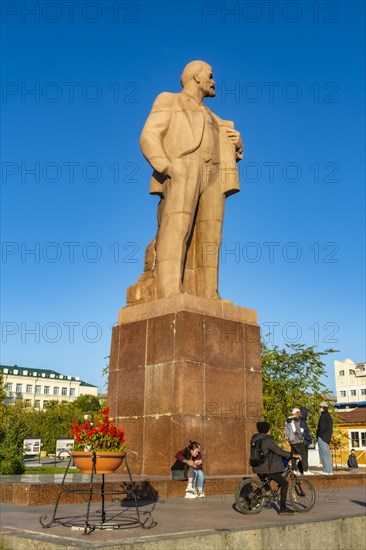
pixel 249 497
pixel 301 494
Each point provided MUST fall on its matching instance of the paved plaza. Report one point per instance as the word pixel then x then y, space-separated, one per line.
pixel 211 522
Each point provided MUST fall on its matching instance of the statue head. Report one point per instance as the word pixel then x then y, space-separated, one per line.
pixel 197 77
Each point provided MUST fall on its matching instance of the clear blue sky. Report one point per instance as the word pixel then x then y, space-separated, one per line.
pixel 75 184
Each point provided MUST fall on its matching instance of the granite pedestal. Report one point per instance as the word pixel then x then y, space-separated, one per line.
pixel 186 368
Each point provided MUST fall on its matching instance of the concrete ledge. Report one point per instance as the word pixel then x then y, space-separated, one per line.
pixel 337 534
pixel 27 491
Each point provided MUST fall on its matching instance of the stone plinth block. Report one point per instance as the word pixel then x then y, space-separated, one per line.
pixel 186 369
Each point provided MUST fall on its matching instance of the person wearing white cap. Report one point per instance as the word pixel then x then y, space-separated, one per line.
pixel 324 435
pixel 294 434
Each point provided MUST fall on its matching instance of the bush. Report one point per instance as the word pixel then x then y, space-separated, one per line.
pixel 11 447
pixel 11 463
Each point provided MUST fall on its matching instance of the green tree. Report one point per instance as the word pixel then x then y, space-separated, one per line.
pixel 11 445
pixel 18 420
pixel 2 389
pixel 291 378
pixel 88 404
pixel 54 422
pixel 105 371
pixel 3 409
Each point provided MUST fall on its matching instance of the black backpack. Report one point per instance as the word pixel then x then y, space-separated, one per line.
pixel 256 454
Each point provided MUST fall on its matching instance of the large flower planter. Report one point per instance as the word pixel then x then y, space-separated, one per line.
pixel 105 462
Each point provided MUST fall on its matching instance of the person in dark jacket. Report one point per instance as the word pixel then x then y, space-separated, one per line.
pixel 306 433
pixel 273 465
pixel 324 435
pixel 352 460
pixel 304 425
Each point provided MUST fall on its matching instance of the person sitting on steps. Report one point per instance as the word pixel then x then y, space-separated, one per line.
pixel 189 461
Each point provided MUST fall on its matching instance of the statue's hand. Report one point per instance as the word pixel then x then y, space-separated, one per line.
pixel 234 137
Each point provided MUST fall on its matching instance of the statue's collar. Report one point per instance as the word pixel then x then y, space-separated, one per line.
pixel 192 98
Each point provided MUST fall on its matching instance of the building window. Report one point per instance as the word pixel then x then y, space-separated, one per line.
pixel 351 372
pixel 64 391
pixel 363 391
pixel 29 388
pixel 19 388
pixel 37 403
pixel 45 404
pixel 56 390
pixel 46 390
pixel 358 439
pixel 353 392
pixel 28 401
pixel 341 373
pixel 38 389
pixel 72 392
pixel 9 387
pixel 343 393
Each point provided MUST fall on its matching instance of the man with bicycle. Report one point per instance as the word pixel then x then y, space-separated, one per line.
pixel 272 464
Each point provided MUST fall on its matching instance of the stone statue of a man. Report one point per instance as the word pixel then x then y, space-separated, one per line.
pixel 193 154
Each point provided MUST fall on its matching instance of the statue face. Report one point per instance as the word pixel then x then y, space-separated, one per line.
pixel 206 81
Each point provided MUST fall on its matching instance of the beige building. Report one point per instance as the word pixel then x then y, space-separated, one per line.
pixel 350 380
pixel 352 427
pixel 37 387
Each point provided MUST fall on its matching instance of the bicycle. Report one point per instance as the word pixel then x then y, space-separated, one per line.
pixel 251 495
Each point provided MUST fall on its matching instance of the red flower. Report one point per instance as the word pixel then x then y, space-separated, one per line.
pixel 100 435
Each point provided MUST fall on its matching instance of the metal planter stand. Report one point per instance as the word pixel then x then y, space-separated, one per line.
pixel 101 519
